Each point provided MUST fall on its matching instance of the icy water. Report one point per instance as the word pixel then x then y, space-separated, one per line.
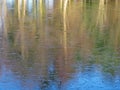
pixel 59 44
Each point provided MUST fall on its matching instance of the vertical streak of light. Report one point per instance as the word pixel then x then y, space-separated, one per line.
pixel 61 4
pixel 22 29
pixel 24 8
pixel 4 18
pixel 41 11
pixel 65 28
pixel 101 13
pixel 18 9
pixel 4 27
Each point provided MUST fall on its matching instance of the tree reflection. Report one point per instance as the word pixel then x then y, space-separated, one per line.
pixel 46 39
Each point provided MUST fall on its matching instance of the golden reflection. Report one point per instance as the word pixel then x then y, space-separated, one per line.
pixel 65 27
pixel 101 19
pixel 61 4
pixel 19 9
pixel 23 8
pixel 41 8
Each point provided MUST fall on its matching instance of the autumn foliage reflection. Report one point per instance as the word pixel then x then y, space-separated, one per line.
pixel 40 33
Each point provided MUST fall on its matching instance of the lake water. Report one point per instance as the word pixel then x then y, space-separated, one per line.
pixel 59 44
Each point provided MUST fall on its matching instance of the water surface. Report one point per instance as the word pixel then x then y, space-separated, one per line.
pixel 59 45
